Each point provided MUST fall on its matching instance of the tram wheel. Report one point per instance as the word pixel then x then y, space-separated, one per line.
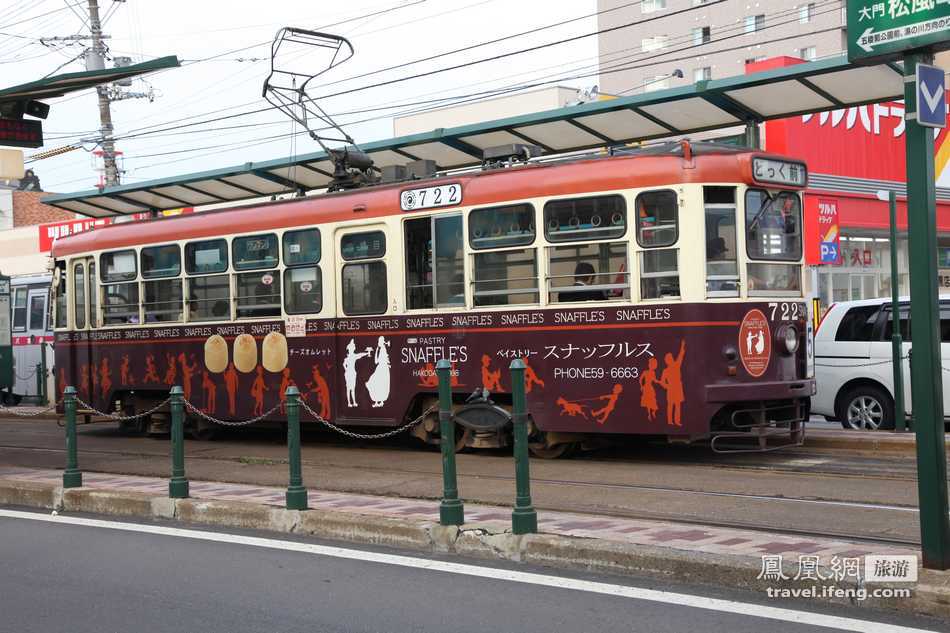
pixel 552 452
pixel 203 432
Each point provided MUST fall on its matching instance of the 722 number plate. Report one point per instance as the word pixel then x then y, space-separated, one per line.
pixel 428 197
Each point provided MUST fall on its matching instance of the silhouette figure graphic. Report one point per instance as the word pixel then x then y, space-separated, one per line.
pixel 187 373
pixel 125 376
pixel 573 409
pixel 62 381
pixel 105 377
pixel 257 391
pixel 231 386
pixel 491 380
pixel 84 380
pixel 93 380
pixel 428 377
pixel 349 370
pixel 210 392
pixel 378 383
pixel 600 415
pixel 531 379
pixel 151 372
pixel 172 371
pixel 672 381
pixel 285 381
pixel 319 387
pixel 648 382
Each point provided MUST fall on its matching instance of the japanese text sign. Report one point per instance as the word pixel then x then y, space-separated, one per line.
pixel 881 29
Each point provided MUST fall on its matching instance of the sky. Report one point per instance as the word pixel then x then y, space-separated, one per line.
pixel 225 48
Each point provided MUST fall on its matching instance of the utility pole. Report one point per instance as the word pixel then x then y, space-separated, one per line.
pixel 95 60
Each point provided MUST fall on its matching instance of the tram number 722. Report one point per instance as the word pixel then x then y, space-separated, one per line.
pixel 788 311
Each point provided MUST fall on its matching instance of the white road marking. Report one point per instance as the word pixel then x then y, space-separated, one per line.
pixel 529 578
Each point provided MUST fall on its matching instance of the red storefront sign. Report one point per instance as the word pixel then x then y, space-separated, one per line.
pixel 54 230
pixel 822 230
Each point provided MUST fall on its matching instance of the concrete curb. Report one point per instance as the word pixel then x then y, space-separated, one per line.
pixel 931 596
pixel 869 442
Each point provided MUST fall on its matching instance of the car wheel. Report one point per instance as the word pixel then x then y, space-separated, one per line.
pixel 866 407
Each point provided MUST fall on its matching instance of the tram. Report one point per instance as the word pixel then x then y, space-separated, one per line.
pixel 31 337
pixel 649 292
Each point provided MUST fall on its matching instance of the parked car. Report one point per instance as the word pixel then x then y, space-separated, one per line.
pixel 853 362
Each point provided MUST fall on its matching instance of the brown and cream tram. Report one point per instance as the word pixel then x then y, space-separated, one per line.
pixel 657 292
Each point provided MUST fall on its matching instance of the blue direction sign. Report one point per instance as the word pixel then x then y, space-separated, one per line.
pixel 931 96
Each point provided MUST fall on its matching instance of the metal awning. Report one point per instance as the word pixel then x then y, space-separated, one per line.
pixel 706 105
pixel 59 85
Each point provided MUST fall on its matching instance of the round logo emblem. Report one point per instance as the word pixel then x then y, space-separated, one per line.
pixel 755 343
pixel 267 279
pixel 408 200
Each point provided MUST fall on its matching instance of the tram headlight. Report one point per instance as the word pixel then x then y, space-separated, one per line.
pixel 790 338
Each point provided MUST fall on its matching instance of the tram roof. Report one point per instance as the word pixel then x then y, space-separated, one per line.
pixel 706 105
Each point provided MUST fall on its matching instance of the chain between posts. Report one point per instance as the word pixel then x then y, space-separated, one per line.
pixel 366 436
pixel 202 414
pixel 122 418
pixel 31 414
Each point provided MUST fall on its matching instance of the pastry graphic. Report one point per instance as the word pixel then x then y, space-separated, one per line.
pixel 245 353
pixel 216 354
pixel 274 352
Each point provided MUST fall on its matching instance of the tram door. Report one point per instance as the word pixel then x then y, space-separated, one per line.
pixel 31 343
pixel 85 317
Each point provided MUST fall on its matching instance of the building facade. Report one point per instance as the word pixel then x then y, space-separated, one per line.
pixel 707 42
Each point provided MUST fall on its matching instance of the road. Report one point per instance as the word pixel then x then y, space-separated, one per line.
pixel 798 490
pixel 76 574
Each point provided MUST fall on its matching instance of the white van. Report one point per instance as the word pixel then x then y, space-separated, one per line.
pixel 853 362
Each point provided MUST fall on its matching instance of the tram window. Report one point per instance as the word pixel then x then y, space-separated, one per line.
pixel 120 304
pixel 659 276
pixel 496 227
pixel 118 266
pixel 588 272
pixel 207 256
pixel 303 292
pixel 37 312
pixel 657 218
pixel 443 235
pixel 506 278
pixel 600 218
pixel 19 310
pixel 722 265
pixel 254 251
pixel 61 302
pixel 364 288
pixel 209 298
pixel 162 301
pixel 93 296
pixel 769 279
pixel 79 295
pixel 302 247
pixel 773 225
pixel 161 261
pixel 367 245
pixel 258 294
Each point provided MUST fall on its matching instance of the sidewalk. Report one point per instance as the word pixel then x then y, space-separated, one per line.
pixel 684 552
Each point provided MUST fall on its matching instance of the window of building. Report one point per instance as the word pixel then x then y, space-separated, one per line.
pixel 369 245
pixel 38 312
pixel 701 35
pixel 257 295
pixel 858 324
pixel 303 290
pixel 439 237
pixel 61 300
pixel 752 60
pixel 364 288
pixel 754 23
pixel 651 6
pixel 207 256
pixel 722 264
pixel 161 261
pixel 120 304
pixel 657 218
pixel 808 53
pixel 19 310
pixel 659 274
pixel 79 295
pixel 253 252
pixel 575 219
pixel 302 247
pixel 118 266
pixel 496 227
pixel 506 277
pixel 806 13
pixel 702 74
pixel 588 272
pixel 209 298
pixel 653 43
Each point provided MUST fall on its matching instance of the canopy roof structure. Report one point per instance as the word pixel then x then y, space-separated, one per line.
pixel 59 85
pixel 707 105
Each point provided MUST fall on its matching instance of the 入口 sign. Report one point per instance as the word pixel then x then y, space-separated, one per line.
pixel 883 29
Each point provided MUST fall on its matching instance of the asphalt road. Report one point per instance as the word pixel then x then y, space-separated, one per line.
pixel 110 576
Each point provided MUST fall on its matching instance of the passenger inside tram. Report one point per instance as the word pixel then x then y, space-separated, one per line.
pixel 584 275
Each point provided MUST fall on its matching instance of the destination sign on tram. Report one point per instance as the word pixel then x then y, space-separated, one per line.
pixel 779 172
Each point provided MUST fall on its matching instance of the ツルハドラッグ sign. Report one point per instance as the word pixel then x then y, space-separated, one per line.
pixel 881 29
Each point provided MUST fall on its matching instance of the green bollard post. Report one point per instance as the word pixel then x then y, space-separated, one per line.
pixel 524 519
pixel 296 493
pixel 451 510
pixel 72 477
pixel 178 484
